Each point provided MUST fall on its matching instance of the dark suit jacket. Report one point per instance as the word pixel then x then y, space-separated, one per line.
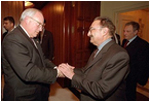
pixel 138 51
pixel 4 34
pixel 104 77
pixel 26 71
pixel 48 45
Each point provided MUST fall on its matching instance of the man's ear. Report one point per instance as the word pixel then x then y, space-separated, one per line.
pixel 12 25
pixel 136 32
pixel 27 20
pixel 105 31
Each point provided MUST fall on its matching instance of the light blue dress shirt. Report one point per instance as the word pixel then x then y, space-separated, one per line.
pixel 102 45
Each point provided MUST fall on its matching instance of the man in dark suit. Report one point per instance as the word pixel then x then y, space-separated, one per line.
pixel 138 50
pixel 8 23
pixel 26 71
pixel 47 43
pixel 104 76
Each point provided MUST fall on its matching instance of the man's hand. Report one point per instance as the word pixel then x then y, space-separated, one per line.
pixel 67 70
pixel 59 73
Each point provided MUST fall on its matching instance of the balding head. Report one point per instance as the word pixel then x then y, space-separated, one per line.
pixel 32 21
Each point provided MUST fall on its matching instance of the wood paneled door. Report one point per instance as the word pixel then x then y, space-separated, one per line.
pixel 69 22
pixel 83 13
pixel 80 15
pixel 11 8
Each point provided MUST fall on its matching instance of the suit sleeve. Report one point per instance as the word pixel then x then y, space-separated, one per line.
pixel 112 76
pixel 143 64
pixel 20 59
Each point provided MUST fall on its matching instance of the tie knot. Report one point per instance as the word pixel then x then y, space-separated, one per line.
pixel 95 51
pixel 125 44
pixel 127 41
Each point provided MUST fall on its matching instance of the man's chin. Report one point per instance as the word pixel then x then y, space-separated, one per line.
pixel 35 35
pixel 91 41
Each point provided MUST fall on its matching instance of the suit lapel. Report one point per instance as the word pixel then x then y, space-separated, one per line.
pixel 133 43
pixel 99 56
pixel 27 37
pixel 38 49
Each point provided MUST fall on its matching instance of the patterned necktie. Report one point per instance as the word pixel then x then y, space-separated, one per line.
pixel 125 44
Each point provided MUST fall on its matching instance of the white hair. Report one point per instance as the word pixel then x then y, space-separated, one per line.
pixel 28 12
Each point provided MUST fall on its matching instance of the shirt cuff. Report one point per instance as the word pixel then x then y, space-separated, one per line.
pixel 57 71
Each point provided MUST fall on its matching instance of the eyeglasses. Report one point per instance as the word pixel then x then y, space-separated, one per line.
pixel 91 29
pixel 39 24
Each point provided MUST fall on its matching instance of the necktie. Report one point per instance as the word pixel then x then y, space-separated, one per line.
pixel 33 42
pixel 125 44
pixel 95 53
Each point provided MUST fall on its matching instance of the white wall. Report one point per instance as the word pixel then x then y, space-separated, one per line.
pixel 111 8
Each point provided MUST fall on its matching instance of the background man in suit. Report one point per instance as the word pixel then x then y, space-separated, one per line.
pixel 103 78
pixel 116 37
pixel 8 23
pixel 26 72
pixel 138 50
pixel 47 43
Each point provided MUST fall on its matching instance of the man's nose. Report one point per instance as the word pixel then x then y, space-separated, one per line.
pixel 40 28
pixel 124 33
pixel 89 33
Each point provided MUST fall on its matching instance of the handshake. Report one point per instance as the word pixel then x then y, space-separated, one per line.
pixel 65 70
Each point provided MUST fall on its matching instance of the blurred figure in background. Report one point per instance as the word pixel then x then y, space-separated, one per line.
pixel 8 24
pixel 116 38
pixel 138 50
pixel 47 43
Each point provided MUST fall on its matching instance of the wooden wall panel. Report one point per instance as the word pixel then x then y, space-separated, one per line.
pixel 57 15
pixel 11 8
pixel 69 22
pixel 53 13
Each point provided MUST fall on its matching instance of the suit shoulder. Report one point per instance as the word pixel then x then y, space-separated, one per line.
pixel 48 32
pixel 14 33
pixel 115 48
pixel 118 47
pixel 141 42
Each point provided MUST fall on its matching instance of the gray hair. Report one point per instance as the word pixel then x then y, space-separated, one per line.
pixel 134 24
pixel 106 22
pixel 28 12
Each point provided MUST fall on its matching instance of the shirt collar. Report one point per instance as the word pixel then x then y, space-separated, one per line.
pixel 25 31
pixel 103 44
pixel 11 30
pixel 132 39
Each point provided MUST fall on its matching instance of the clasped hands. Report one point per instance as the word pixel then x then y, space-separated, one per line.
pixel 65 70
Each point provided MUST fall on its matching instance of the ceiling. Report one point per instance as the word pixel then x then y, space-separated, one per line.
pixel 39 4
